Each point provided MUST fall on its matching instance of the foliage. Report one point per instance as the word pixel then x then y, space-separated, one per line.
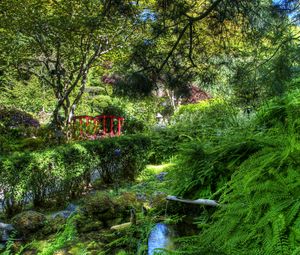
pixel 133 239
pixel 131 125
pixel 164 145
pixel 135 85
pixel 207 121
pixel 64 172
pixel 28 95
pixel 17 130
pixel 12 118
pixel 61 43
pixel 202 169
pixel 259 202
pixel 204 119
pixel 62 239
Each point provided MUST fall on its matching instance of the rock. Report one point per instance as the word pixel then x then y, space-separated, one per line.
pixel 54 225
pixel 121 226
pixel 109 210
pixel 72 208
pixel 29 222
pixel 87 226
pixel 30 252
pixel 114 222
pixel 99 206
pixel 62 214
pixel 5 230
pixel 161 176
pixel 95 175
pixel 142 197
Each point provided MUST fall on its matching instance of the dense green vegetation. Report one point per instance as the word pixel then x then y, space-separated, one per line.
pixel 210 94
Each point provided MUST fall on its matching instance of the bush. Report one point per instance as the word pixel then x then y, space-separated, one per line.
pixel 206 122
pixel 165 143
pixel 13 118
pixel 205 119
pixel 63 172
pixel 16 128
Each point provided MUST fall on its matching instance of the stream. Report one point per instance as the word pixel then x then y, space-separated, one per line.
pixel 160 238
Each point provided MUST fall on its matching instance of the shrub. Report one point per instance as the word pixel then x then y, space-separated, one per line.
pixel 63 172
pixel 13 118
pixel 204 119
pixel 16 127
pixel 207 122
pixel 165 143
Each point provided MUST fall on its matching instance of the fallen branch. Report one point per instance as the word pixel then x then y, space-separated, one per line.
pixel 121 226
pixel 196 202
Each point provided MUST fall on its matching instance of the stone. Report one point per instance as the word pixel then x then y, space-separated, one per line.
pixel 29 222
pixel 161 176
pixel 62 214
pixel 54 225
pixel 5 230
pixel 113 222
pixel 72 208
pixel 90 226
pixel 142 197
pixel 95 175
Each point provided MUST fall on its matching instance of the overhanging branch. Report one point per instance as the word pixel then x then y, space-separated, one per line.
pixel 191 20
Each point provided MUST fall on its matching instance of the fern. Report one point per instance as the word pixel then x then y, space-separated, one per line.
pixel 260 198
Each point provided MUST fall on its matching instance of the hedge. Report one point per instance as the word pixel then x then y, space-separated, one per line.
pixel 65 171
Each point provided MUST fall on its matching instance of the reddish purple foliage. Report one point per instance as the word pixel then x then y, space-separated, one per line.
pixel 195 95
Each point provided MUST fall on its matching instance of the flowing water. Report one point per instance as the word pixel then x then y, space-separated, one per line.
pixel 160 238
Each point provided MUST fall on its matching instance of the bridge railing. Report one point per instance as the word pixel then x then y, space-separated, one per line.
pixel 88 127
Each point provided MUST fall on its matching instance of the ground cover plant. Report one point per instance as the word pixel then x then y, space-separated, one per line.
pixel 259 211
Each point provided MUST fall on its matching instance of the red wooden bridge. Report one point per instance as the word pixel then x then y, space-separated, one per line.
pixel 99 126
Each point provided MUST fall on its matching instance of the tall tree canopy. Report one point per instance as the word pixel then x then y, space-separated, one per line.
pixel 211 40
pixel 172 43
pixel 60 41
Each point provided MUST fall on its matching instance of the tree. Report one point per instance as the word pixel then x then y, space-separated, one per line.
pixel 60 41
pixel 212 40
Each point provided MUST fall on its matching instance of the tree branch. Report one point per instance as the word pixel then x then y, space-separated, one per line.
pixel 173 48
pixel 191 21
pixel 191 45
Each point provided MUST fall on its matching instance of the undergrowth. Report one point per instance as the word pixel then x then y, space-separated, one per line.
pixel 255 175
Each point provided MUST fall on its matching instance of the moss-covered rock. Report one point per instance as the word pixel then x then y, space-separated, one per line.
pixel 85 225
pixel 102 207
pixel 29 222
pixel 54 225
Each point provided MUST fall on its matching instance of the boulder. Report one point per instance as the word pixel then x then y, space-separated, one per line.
pixel 29 222
pixel 161 176
pixel 106 209
pixel 62 214
pixel 5 230
pixel 70 210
